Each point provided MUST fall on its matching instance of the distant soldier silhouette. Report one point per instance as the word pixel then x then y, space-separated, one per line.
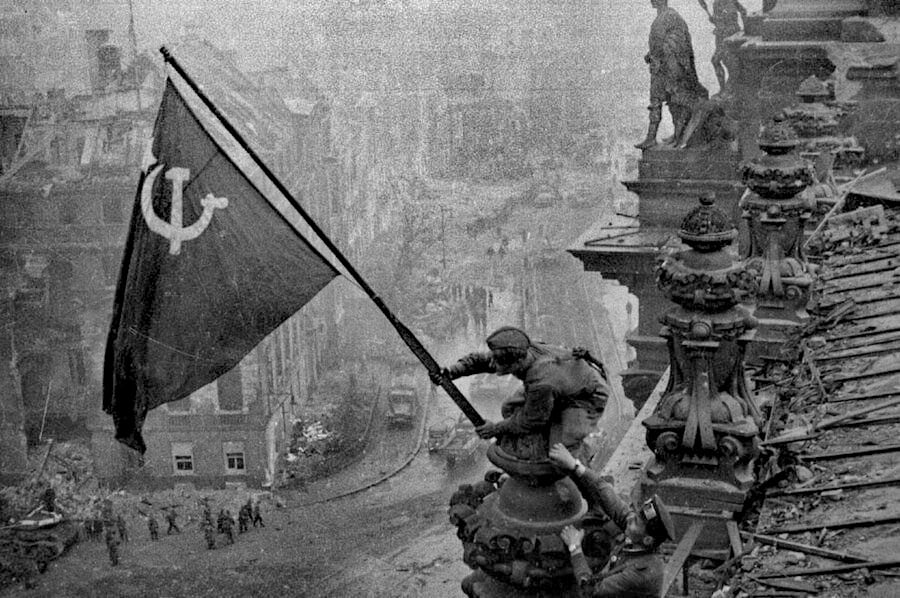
pixel 153 526
pixel 257 516
pixel 171 519
pixel 111 535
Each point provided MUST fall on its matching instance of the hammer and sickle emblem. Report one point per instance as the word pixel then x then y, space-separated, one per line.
pixel 173 230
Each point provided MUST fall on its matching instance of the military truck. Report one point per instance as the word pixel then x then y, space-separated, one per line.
pixel 402 407
pixel 403 396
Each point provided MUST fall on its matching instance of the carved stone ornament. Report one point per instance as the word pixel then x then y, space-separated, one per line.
pixel 706 421
pixel 776 213
pixel 778 174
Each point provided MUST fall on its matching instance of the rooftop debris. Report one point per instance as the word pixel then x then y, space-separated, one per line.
pixel 828 521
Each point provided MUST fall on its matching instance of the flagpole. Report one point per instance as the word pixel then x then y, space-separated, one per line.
pixel 418 349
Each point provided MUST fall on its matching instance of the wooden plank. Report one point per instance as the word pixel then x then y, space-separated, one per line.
pixel 869 521
pixel 734 537
pixel 682 552
pixel 865 350
pixel 872 450
pixel 870 565
pixel 847 486
pixel 845 557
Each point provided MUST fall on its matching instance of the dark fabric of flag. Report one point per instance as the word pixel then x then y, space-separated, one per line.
pixel 187 311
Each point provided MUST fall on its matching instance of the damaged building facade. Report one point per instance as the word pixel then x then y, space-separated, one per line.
pixel 71 154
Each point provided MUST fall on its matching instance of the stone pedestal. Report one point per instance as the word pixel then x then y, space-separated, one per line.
pixel 510 534
pixel 704 433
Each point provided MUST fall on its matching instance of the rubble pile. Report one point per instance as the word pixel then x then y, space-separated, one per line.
pixel 331 432
pixel 828 514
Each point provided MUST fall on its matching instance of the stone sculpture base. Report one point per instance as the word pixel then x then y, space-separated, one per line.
pixel 690 499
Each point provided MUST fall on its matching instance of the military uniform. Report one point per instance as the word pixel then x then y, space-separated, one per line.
pixel 171 516
pixel 633 572
pixel 563 395
pixel 209 534
pixel 228 526
pixel 153 526
pixel 244 515
pixel 112 542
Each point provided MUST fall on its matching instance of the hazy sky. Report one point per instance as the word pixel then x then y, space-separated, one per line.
pixel 260 34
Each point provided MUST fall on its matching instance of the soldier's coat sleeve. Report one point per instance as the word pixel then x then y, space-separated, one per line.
pixel 600 493
pixel 473 363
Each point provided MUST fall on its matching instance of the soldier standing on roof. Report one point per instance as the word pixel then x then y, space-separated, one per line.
pixel 564 390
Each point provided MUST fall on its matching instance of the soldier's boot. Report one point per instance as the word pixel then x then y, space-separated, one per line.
pixel 652 128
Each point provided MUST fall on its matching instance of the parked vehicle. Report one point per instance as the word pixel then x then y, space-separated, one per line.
pixel 40 537
pixel 403 394
pixel 402 407
pixel 459 445
pixel 439 434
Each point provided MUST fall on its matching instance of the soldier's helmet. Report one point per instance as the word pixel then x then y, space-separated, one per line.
pixel 508 344
pixel 659 522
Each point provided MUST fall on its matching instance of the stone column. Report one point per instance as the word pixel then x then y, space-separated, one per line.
pixel 705 431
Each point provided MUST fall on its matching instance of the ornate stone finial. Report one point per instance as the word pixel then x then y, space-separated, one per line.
pixel 778 138
pixel 706 228
pixel 778 174
pixel 706 277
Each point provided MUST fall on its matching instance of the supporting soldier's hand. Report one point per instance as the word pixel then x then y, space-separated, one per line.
pixel 486 430
pixel 561 457
pixel 571 535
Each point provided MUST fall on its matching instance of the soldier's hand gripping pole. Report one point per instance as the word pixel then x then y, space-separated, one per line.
pixel 434 370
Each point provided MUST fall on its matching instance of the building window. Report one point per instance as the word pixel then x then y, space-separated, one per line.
pixel 230 390
pixel 234 457
pixel 182 458
pixel 179 406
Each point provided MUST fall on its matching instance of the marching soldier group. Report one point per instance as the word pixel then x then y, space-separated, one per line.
pixel 248 513
pixel 115 529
